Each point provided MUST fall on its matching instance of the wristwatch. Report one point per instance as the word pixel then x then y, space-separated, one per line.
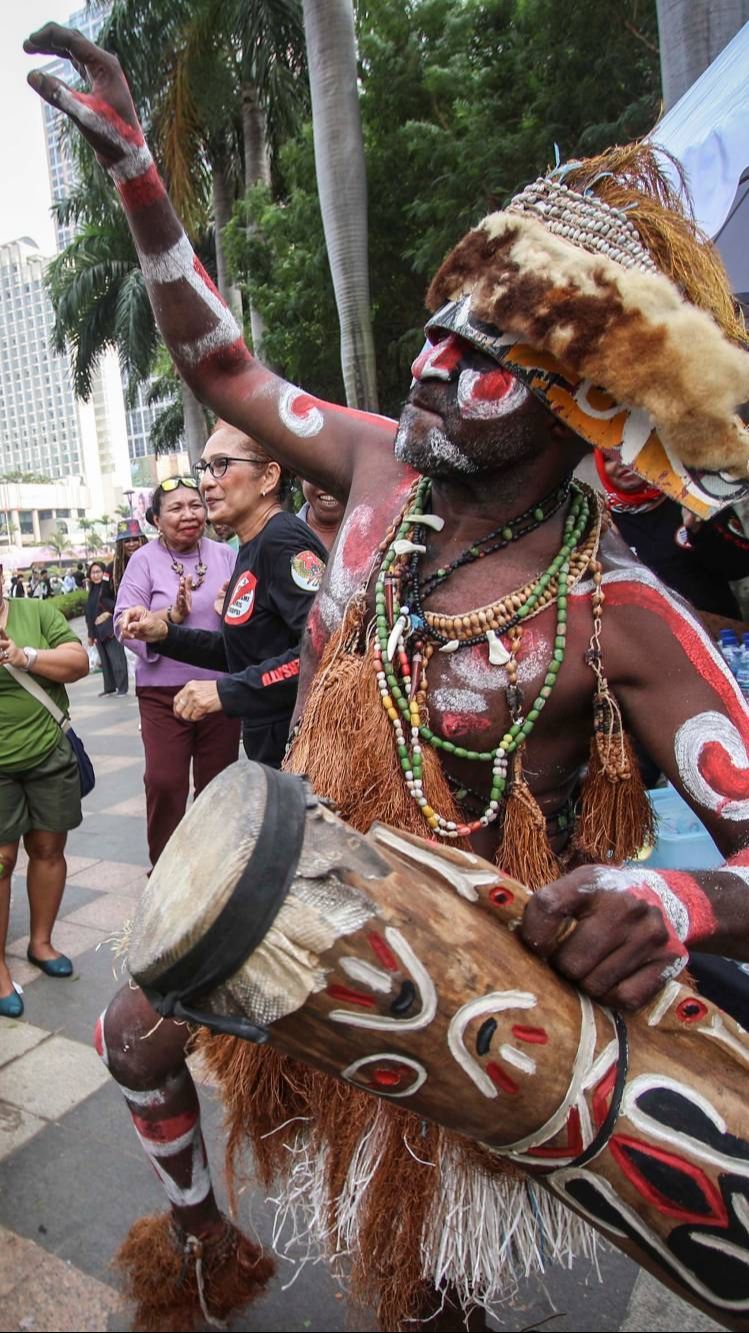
pixel 31 655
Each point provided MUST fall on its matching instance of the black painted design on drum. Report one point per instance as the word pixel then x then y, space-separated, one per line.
pixel 675 1112
pixel 724 1274
pixel 403 1000
pixel 484 1036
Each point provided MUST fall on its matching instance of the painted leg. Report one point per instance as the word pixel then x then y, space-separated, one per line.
pixel 45 883
pixel 8 855
pixel 190 1264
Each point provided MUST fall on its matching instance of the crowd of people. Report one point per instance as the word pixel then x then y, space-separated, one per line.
pixel 339 642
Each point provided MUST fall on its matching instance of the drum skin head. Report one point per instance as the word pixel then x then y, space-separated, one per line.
pixel 198 869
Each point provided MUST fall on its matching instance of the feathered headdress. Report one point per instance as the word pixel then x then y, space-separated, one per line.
pixel 596 288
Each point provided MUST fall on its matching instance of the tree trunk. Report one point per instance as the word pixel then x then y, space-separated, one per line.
pixel 196 426
pixel 256 171
pixel 692 33
pixel 342 186
pixel 222 207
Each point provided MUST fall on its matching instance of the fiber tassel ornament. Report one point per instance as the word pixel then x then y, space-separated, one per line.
pixel 616 818
pixel 179 1282
pixel 524 850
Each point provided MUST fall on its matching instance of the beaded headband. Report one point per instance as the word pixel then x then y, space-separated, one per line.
pixel 585 220
pixel 561 289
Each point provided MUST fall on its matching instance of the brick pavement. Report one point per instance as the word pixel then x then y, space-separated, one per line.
pixel 72 1177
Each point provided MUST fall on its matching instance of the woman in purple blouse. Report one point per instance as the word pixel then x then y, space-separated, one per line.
pixel 179 575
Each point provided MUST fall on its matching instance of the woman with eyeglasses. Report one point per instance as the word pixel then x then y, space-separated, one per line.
pixel 176 579
pixel 278 569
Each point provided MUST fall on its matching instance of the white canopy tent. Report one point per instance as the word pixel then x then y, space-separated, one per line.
pixel 708 131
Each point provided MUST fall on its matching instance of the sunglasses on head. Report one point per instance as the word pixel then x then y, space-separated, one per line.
pixel 172 483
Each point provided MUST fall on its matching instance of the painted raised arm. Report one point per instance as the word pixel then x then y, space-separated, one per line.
pixel 319 440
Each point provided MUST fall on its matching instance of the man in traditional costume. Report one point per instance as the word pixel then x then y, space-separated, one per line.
pixel 589 312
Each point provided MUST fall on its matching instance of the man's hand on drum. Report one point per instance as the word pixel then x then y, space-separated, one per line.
pixel 614 943
pixel 137 622
pixel 197 699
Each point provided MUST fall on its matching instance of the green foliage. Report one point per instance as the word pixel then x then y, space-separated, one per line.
pixel 32 478
pixel 462 104
pixel 71 603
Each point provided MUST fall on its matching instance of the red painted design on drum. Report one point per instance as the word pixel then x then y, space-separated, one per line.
pixel 99 1038
pixel 602 1094
pixel 462 724
pixel 572 1146
pixel 501 1079
pixel 715 1211
pixel 242 603
pixel 385 954
pixel 500 896
pixel 390 1076
pixel 535 1036
pixel 691 1010
pixel 702 922
pixel 166 1130
pixel 348 996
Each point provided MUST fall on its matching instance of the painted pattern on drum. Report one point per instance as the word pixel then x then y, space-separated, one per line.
pixel 387 1074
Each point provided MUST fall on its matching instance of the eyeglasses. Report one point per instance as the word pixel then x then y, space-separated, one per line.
pixel 172 483
pixel 217 466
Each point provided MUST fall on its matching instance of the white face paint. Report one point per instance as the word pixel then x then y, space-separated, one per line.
pixel 299 413
pixel 437 449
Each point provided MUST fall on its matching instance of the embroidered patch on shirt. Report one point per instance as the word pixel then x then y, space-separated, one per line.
pixel 307 570
pixel 242 602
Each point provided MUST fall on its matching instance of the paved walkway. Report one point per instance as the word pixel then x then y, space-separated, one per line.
pixel 72 1177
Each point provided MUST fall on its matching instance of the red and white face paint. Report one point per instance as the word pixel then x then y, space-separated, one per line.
pixel 482 395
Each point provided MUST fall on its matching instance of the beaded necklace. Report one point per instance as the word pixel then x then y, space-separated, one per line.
pixel 401 679
pixel 200 569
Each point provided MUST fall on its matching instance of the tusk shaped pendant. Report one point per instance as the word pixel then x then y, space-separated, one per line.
pixel 404 547
pixel 395 634
pixel 425 521
pixel 450 647
pixel 498 654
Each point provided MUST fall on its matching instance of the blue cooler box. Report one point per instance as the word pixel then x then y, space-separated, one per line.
pixel 683 841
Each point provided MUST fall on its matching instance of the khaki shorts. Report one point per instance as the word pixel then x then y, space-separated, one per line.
pixel 47 797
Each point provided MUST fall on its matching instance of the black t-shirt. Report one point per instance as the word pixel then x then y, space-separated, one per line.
pixel 270 593
pixel 701 571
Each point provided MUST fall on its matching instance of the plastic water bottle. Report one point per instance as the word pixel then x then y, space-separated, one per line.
pixel 742 674
pixel 730 648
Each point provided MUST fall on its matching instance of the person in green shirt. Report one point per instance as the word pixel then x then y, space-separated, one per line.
pixel 40 798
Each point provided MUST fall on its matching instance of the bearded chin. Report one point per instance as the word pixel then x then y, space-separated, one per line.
pixel 432 453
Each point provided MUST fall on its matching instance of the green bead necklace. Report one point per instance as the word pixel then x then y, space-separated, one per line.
pixel 399 676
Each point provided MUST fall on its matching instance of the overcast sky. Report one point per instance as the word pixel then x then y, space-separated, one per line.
pixel 25 196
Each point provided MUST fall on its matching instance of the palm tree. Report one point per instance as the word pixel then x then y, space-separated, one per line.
pixel 342 186
pixel 692 33
pixel 59 541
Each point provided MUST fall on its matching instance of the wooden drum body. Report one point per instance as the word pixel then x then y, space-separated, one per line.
pixel 392 963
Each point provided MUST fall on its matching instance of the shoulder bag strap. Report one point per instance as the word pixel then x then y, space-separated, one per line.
pixel 28 683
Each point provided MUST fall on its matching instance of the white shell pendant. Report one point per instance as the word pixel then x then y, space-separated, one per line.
pixel 450 647
pixel 498 654
pixel 425 521
pixel 404 547
pixel 395 634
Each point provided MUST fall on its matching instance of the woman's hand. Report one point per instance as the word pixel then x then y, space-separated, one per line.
pixel 137 622
pixel 197 699
pixel 183 601
pixel 11 653
pixel 218 605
